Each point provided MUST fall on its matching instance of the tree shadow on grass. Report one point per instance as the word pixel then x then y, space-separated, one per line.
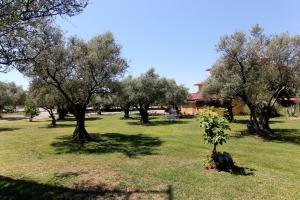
pixel 14 118
pixel 58 126
pixel 244 121
pixel 72 119
pixel 8 129
pixel 159 123
pixel 278 135
pixel 15 189
pixel 138 117
pixel 285 136
pixel 129 145
pixel 243 171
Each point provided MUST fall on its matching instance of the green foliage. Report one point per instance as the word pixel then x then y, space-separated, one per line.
pixel 176 94
pixel 257 69
pixel 46 97
pixel 19 27
pixel 30 109
pixel 217 110
pixel 11 95
pixel 214 129
pixel 150 89
pixel 9 109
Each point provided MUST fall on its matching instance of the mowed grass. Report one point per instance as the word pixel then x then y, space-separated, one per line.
pixel 163 160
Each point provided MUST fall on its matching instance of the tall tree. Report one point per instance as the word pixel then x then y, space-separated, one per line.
pixel 122 96
pixel 146 90
pixel 78 70
pixel 19 27
pixel 256 69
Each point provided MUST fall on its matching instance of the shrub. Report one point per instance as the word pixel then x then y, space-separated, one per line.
pixel 214 133
pixel 31 109
pixel 9 109
pixel 214 110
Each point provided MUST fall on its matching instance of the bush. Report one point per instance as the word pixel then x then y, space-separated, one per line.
pixel 31 109
pixel 9 109
pixel 214 133
pixel 214 110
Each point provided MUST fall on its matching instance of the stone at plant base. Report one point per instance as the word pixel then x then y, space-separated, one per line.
pixel 223 161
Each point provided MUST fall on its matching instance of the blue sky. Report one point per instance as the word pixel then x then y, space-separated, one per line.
pixel 176 37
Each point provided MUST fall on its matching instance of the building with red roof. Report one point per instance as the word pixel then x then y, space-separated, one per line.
pixel 197 100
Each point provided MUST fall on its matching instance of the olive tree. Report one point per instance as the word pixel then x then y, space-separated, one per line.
pixel 47 97
pixel 150 89
pixel 147 90
pixel 78 70
pixel 122 96
pixel 19 27
pixel 175 95
pixel 11 95
pixel 256 69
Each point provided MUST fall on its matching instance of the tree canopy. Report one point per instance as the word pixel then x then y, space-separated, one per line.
pixel 11 95
pixel 47 97
pixel 150 89
pixel 256 69
pixel 78 69
pixel 19 27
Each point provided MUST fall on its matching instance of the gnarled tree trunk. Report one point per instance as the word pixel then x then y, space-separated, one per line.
pixel 264 118
pixel 144 116
pixel 259 121
pixel 53 122
pixel 229 115
pixel 80 133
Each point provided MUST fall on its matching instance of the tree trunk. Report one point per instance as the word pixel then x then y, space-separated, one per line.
pixel 144 116
pixel 53 122
pixel 126 113
pixel 80 134
pixel 214 150
pixel 264 119
pixel 229 113
pixel 177 110
pixel 62 112
pixel 258 126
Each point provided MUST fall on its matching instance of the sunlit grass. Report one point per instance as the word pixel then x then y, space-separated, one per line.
pixel 160 161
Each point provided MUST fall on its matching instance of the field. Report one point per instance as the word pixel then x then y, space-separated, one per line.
pixel 126 160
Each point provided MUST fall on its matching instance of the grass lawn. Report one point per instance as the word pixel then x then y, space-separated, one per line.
pixel 129 161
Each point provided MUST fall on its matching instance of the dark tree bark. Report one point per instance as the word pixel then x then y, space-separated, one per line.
pixel 177 110
pixel 229 115
pixel 80 133
pixel 62 112
pixel 53 122
pixel 259 121
pixel 126 113
pixel 144 116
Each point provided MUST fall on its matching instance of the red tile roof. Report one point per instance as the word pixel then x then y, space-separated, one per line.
pixel 199 96
pixel 194 96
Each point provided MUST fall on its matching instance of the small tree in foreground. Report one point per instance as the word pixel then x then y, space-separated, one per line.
pixel 214 133
pixel 31 109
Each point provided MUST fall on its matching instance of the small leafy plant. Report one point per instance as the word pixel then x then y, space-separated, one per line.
pixel 214 132
pixel 31 109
